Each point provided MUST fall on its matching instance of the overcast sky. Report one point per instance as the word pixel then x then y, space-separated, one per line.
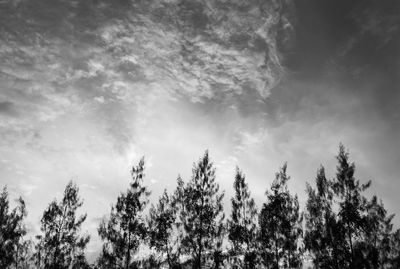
pixel 88 87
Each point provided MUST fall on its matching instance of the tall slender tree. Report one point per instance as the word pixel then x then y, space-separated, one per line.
pixel 161 225
pixel 12 230
pixel 280 225
pixel 374 248
pixel 125 229
pixel 242 225
pixel 61 245
pixel 394 250
pixel 348 192
pixel 324 236
pixel 202 217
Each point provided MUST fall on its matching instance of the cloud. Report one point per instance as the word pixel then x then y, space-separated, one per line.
pixel 7 108
pixel 126 53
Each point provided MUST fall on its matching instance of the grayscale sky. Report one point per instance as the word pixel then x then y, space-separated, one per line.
pixel 88 87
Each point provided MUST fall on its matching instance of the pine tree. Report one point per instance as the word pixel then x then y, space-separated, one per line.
pixel 12 230
pixel 394 250
pixel 323 236
pixel 280 225
pixel 377 235
pixel 348 192
pixel 161 229
pixel 202 215
pixel 242 226
pixel 125 229
pixel 61 246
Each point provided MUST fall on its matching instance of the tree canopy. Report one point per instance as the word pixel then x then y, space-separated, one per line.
pixel 339 227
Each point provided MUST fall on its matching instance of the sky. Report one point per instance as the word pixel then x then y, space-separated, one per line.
pixel 88 87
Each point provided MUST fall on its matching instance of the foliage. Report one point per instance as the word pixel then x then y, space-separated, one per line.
pixel 324 236
pixel 242 225
pixel 161 228
pixel 60 245
pixel 358 234
pixel 343 228
pixel 12 231
pixel 125 229
pixel 280 225
pixel 202 217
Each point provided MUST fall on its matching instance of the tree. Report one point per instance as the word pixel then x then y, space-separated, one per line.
pixel 125 229
pixel 178 204
pixel 12 230
pixel 376 244
pixel 323 236
pixel 280 225
pixel 394 250
pixel 161 229
pixel 61 245
pixel 352 205
pixel 358 234
pixel 202 217
pixel 242 227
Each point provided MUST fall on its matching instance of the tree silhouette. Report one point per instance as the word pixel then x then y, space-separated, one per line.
pixel 242 226
pixel 348 192
pixel 343 228
pixel 394 250
pixel 202 217
pixel 12 231
pixel 125 229
pixel 375 248
pixel 358 234
pixel 61 246
pixel 161 229
pixel 280 225
pixel 324 236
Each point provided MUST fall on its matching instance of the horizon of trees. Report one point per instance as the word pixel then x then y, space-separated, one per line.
pixel 339 228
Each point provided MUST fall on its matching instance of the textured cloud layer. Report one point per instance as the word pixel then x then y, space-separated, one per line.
pixel 61 57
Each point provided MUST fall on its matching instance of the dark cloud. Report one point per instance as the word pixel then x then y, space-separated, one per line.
pixel 344 48
pixel 7 108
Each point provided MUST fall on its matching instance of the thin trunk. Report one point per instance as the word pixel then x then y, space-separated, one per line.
pixel 16 257
pixel 169 256
pixel 57 250
pixel 201 233
pixel 276 254
pixel 128 252
pixel 349 229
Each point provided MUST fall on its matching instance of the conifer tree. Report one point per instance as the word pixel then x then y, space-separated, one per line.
pixel 348 192
pixel 358 234
pixel 375 247
pixel 323 236
pixel 394 250
pixel 280 225
pixel 61 245
pixel 12 230
pixel 242 226
pixel 178 204
pixel 161 229
pixel 202 215
pixel 125 229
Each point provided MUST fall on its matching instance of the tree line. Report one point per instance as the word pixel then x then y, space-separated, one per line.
pixel 339 228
